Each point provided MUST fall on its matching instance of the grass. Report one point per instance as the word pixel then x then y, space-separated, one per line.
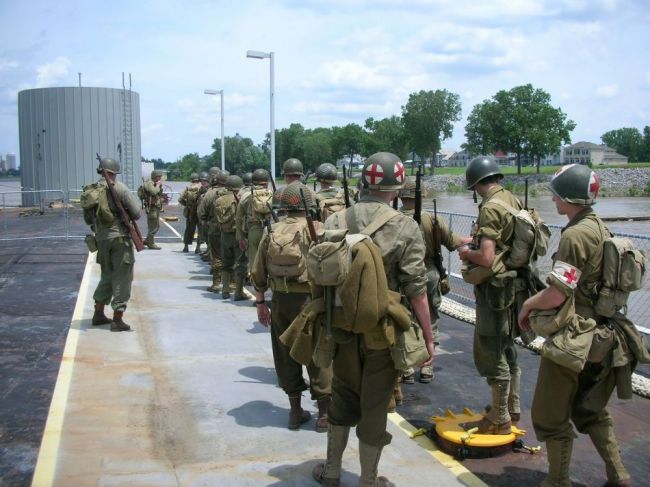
pixel 527 170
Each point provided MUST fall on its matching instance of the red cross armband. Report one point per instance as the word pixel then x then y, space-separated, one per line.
pixel 564 276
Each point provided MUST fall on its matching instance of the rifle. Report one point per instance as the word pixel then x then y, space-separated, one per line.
pixel 272 183
pixel 310 221
pixel 417 215
pixel 125 219
pixel 346 190
pixel 305 177
pixel 437 254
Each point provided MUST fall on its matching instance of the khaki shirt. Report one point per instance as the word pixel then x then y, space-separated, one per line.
pixel 206 207
pixel 241 218
pixel 445 236
pixel 577 264
pixel 192 188
pixel 153 194
pixel 131 205
pixel 402 246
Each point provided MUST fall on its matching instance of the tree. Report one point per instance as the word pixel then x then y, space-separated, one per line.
pixel 645 156
pixel 288 143
pixel 429 118
pixel 347 141
pixel 627 141
pixel 316 147
pixel 520 120
pixel 242 154
pixel 386 135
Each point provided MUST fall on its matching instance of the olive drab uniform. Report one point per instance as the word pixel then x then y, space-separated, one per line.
pixel 329 200
pixel 152 205
pixel 563 396
pixel 201 231
pixel 189 198
pixel 289 297
pixel 495 353
pixel 115 253
pixel 208 215
pixel 251 218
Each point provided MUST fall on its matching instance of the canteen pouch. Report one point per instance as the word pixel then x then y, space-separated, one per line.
pixel 91 243
pixel 324 351
pixel 569 347
pixel 500 291
pixel 602 343
pixel 409 349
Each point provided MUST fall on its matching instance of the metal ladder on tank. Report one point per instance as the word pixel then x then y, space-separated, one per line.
pixel 127 135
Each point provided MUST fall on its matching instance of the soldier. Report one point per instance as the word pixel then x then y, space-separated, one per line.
pixel 226 209
pixel 329 198
pixel 252 212
pixel 202 233
pixel 292 172
pixel 561 394
pixel 435 232
pixel 115 253
pixel 207 214
pixel 364 377
pixel 247 178
pixel 212 184
pixel 189 199
pixel 291 291
pixel 495 353
pixel 152 205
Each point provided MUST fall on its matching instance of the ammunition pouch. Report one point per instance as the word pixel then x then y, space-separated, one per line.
pixel 409 349
pixel 91 243
pixel 500 291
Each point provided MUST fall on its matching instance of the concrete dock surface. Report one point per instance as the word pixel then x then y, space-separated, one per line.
pixel 189 397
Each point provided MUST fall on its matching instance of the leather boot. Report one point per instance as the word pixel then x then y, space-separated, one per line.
pixel 215 288
pixel 225 285
pixel 151 244
pixel 329 473
pixel 497 420
pixel 197 249
pixel 558 453
pixel 186 249
pixel 602 436
pixel 514 406
pixel 297 415
pixel 99 318
pixel 321 422
pixel 369 458
pixel 240 295
pixel 118 323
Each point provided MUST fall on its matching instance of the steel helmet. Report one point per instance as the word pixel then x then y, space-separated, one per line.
pixel 221 176
pixel 194 177
pixel 480 168
pixel 326 172
pixel 109 165
pixel 576 184
pixel 292 167
pixel 383 171
pixel 213 170
pixel 408 190
pixel 234 182
pixel 247 178
pixel 156 173
pixel 260 176
pixel 291 199
pixel 204 176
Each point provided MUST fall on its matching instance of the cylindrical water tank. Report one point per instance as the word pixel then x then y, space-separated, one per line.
pixel 61 129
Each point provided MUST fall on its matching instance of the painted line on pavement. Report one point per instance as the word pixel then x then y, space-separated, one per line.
pixel 467 477
pixel 171 228
pixel 48 452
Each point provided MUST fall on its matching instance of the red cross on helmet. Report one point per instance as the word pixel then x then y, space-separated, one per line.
pixel 576 184
pixel 383 171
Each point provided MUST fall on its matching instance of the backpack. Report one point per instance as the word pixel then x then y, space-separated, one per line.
pixel 530 239
pixel 188 199
pixel 225 208
pixel 285 257
pixel 94 202
pixel 623 271
pixel 261 203
pixel 141 193
pixel 327 206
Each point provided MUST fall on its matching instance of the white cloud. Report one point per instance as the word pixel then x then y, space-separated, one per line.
pixel 353 74
pixel 647 80
pixel 151 129
pixel 607 91
pixel 50 73
pixel 7 64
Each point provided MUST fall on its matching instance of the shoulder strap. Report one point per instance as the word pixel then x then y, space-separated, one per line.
pixel 383 218
pixel 503 204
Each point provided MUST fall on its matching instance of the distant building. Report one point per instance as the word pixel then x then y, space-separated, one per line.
pixel 460 158
pixel 357 161
pixel 11 161
pixel 594 154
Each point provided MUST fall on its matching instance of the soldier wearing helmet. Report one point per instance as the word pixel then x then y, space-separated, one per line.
pixel 202 231
pixel 435 233
pixel 360 397
pixel 153 203
pixel 563 396
pixel 292 172
pixel 495 353
pixel 287 278
pixel 329 198
pixel 115 254
pixel 253 211
pixel 189 199
pixel 248 179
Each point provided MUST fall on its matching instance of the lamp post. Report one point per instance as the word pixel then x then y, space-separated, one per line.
pixel 270 55
pixel 223 152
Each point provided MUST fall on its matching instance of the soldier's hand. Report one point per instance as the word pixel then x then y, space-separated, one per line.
pixel 463 251
pixel 524 324
pixel 243 245
pixel 263 314
pixel 430 349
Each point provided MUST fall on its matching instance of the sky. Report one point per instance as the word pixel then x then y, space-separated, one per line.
pixel 336 61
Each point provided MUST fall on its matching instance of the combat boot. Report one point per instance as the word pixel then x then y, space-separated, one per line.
pixel 197 249
pixel 99 318
pixel 151 244
pixel 369 459
pixel 329 473
pixel 240 295
pixel 558 453
pixel 322 422
pixel 514 406
pixel 225 285
pixel 297 415
pixel 497 418
pixel 409 376
pixel 602 436
pixel 118 323
pixel 426 374
pixel 215 288
pixel 186 249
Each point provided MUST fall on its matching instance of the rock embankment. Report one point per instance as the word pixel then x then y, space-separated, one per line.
pixel 613 182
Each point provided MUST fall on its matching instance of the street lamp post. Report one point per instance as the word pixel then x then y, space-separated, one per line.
pixel 223 152
pixel 270 55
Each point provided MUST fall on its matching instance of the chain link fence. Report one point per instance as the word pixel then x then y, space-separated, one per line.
pixel 638 304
